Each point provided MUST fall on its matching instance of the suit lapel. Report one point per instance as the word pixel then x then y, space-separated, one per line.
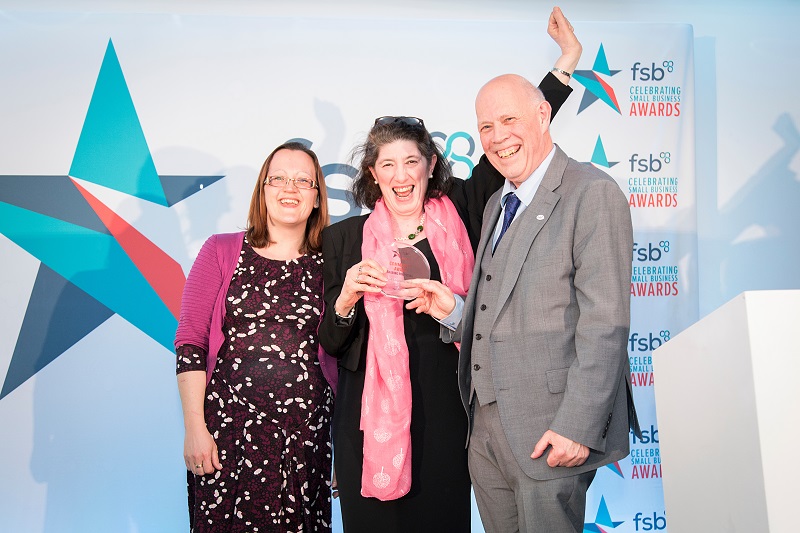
pixel 484 246
pixel 530 223
pixel 493 207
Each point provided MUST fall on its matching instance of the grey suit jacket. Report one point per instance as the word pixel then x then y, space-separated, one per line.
pixel 558 340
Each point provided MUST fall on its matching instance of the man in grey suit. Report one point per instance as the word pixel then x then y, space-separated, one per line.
pixel 543 368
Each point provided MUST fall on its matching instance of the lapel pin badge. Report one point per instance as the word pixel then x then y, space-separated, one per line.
pixel 539 217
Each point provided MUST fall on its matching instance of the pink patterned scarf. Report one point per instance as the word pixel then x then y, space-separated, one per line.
pixel 386 401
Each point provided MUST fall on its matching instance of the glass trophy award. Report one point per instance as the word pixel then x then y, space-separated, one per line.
pixel 403 262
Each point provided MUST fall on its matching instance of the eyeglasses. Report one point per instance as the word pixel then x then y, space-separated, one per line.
pixel 410 121
pixel 283 181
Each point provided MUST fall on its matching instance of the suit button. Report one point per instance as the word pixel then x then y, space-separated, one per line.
pixel 483 307
pixel 478 336
pixel 476 367
pixel 488 277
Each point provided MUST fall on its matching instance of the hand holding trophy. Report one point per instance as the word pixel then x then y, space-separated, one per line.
pixel 403 262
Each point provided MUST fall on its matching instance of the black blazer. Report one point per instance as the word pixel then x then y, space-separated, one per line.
pixel 341 249
pixel 341 244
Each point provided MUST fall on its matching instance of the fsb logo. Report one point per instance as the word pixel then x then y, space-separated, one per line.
pixel 649 436
pixel 651 73
pixel 649 163
pixel 655 522
pixel 640 343
pixel 649 252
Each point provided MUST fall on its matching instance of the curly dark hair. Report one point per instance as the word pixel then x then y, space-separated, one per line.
pixel 366 192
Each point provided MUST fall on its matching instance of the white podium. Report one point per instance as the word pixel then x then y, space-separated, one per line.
pixel 727 393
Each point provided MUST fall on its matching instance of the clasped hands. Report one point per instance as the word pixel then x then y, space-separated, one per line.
pixel 368 275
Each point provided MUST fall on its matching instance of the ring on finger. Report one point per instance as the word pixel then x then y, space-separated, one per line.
pixel 359 268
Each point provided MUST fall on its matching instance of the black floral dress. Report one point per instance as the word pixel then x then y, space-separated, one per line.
pixel 267 405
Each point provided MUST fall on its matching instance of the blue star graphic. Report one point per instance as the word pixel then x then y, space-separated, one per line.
pixel 602 521
pixel 599 157
pixel 596 87
pixel 93 263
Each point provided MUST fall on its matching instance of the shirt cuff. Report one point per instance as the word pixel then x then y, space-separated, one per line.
pixel 452 320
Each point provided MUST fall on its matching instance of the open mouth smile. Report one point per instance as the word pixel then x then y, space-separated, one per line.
pixel 508 152
pixel 403 192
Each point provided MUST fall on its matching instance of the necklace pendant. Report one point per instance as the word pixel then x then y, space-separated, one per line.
pixel 412 236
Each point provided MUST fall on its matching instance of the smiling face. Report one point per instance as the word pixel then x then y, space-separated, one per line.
pixel 288 205
pixel 513 122
pixel 402 173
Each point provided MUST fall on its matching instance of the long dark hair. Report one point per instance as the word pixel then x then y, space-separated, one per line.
pixel 366 192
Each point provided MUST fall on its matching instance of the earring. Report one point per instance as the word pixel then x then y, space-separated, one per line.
pixel 316 204
pixel 375 182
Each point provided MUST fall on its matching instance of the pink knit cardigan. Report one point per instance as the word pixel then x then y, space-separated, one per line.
pixel 203 302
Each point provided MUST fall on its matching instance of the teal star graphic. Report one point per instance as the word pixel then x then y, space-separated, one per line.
pixel 602 520
pixel 599 157
pixel 614 467
pixel 94 264
pixel 596 87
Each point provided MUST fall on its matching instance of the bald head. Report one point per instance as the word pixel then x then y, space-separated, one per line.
pixel 513 122
pixel 512 83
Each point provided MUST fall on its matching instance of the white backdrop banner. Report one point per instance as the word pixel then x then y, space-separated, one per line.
pixel 127 140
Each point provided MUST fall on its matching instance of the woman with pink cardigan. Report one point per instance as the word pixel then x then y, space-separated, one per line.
pixel 256 390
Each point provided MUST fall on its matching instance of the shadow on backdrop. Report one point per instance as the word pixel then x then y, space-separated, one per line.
pixel 761 223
